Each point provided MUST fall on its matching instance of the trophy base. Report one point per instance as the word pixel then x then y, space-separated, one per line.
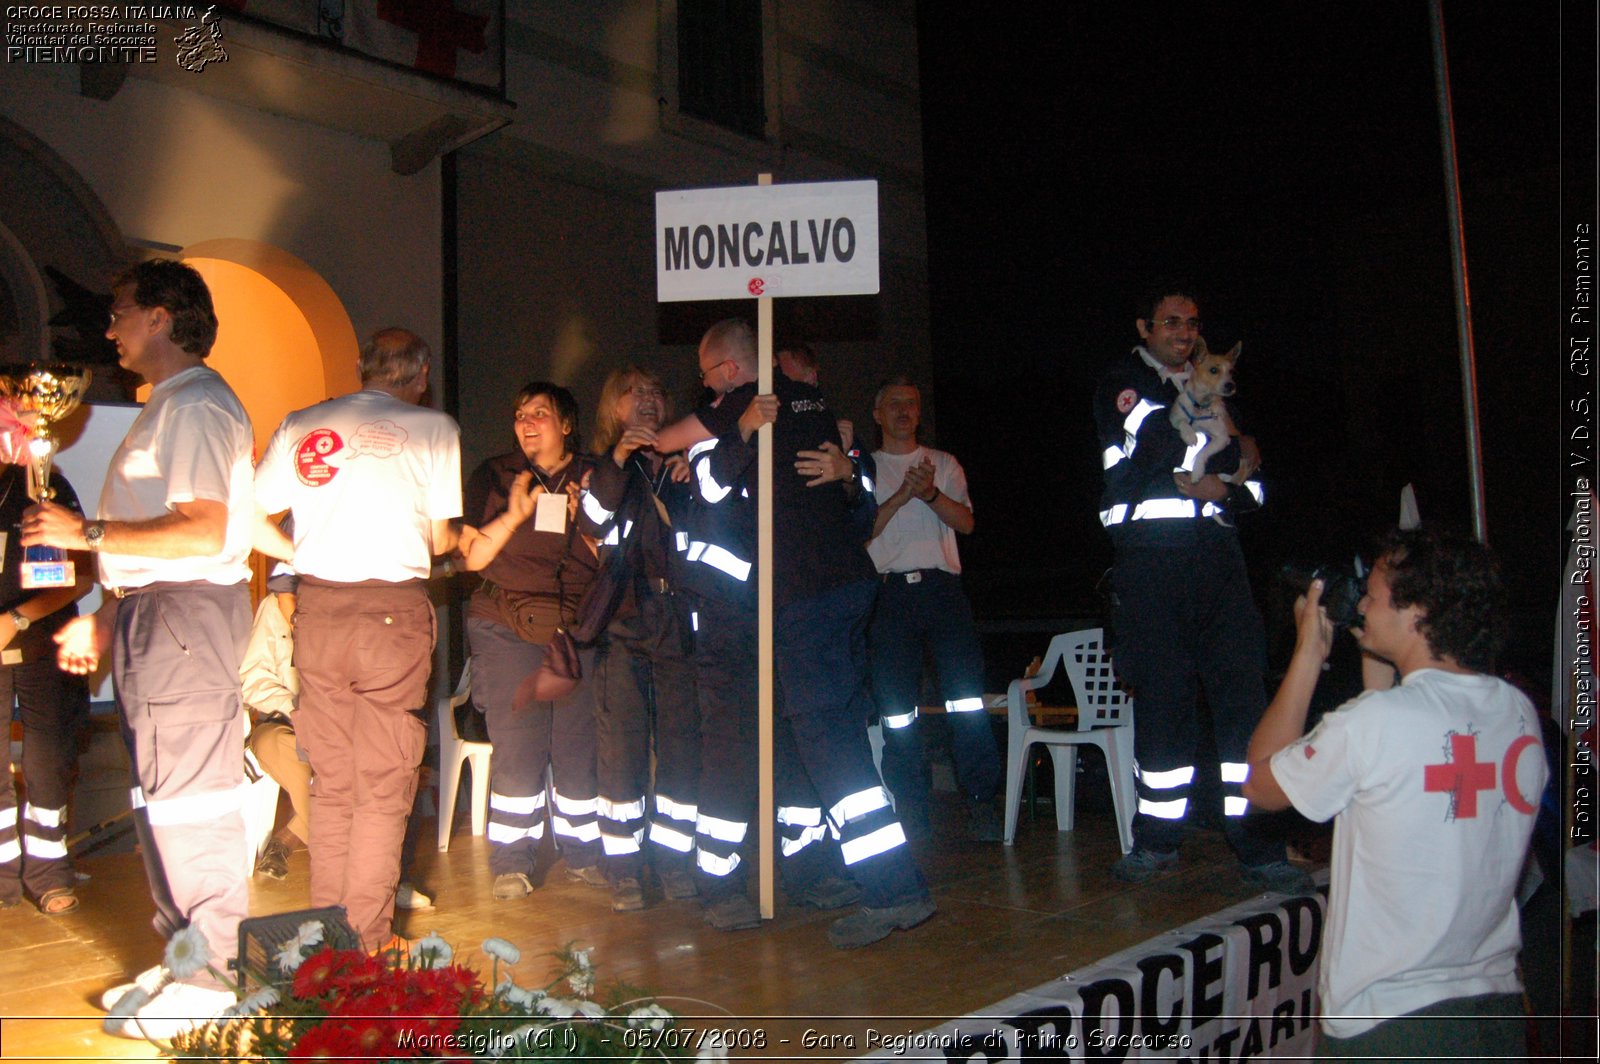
pixel 48 574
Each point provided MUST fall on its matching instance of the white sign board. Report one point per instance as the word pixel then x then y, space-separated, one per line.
pixel 817 239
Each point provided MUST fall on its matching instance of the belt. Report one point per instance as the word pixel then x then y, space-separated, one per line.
pixel 164 585
pixel 910 576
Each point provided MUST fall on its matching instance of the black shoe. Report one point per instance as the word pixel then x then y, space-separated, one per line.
pixel 1279 876
pixel 677 884
pixel 274 862
pixel 733 913
pixel 866 925
pixel 830 892
pixel 1143 864
pixel 589 874
pixel 627 895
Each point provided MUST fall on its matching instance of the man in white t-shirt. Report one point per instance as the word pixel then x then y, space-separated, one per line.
pixel 922 504
pixel 374 482
pixel 1434 785
pixel 173 535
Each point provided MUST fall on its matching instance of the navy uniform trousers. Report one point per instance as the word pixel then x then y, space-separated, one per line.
pixel 1186 624
pixel 54 707
pixel 927 610
pixel 644 683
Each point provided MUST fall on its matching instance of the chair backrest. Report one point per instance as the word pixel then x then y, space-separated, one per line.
pixel 1102 701
pixel 447 705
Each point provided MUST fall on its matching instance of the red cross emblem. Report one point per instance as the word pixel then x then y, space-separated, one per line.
pixel 440 30
pixel 1463 776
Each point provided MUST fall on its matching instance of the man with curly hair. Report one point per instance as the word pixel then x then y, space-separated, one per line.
pixel 1433 783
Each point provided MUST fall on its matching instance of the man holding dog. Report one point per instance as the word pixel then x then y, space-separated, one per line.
pixel 1433 786
pixel 1184 620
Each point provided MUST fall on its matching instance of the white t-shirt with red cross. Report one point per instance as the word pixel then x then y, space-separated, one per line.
pixel 366 476
pixel 1434 785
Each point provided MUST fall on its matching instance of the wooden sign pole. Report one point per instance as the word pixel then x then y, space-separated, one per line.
pixel 764 643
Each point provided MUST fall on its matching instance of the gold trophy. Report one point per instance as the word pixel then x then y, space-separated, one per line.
pixel 48 392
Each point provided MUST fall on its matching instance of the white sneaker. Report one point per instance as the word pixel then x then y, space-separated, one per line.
pixel 409 897
pixel 177 1008
pixel 149 980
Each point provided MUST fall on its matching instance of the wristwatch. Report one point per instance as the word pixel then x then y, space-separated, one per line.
pixel 93 533
pixel 19 620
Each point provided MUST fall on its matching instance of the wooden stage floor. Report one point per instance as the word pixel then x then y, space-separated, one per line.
pixel 1009 918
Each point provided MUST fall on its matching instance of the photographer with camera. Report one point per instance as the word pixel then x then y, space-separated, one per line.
pixel 1434 784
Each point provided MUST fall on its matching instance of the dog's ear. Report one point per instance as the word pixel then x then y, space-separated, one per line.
pixel 1200 349
pixel 1233 356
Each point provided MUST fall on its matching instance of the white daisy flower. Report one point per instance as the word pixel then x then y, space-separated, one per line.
pixel 515 995
pixel 591 1008
pixel 187 953
pixel 581 979
pixel 652 1016
pixel 500 949
pixel 560 1008
pixel 260 1001
pixel 294 950
pixel 432 952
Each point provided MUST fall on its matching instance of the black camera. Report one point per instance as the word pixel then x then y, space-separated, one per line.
pixel 1342 588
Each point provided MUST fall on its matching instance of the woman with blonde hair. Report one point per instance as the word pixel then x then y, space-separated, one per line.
pixel 643 681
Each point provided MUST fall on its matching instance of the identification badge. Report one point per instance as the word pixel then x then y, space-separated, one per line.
pixel 550 512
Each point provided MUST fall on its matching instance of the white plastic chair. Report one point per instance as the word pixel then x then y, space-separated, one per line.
pixel 453 750
pixel 1105 719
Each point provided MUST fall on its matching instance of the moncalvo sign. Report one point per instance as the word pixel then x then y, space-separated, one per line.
pixel 816 239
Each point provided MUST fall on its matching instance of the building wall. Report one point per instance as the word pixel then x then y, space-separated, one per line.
pixel 556 249
pixel 176 168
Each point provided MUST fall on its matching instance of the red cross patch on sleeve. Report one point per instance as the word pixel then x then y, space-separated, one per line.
pixel 1126 400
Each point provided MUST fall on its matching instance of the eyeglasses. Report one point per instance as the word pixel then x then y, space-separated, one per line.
pixel 705 370
pixel 1174 324
pixel 120 310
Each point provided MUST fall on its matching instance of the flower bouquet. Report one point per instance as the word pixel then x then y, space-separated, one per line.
pixel 416 1003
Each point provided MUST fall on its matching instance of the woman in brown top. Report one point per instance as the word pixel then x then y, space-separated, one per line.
pixel 536 566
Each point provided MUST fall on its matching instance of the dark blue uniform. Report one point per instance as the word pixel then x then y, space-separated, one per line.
pixel 823 589
pixel 1185 622
pixel 644 677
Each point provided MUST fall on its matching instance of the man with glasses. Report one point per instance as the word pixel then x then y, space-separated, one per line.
pixel 1184 620
pixel 173 536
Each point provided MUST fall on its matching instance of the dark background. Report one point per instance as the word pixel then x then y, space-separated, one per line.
pixel 1287 159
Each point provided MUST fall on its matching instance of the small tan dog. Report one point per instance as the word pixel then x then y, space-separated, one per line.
pixel 1200 408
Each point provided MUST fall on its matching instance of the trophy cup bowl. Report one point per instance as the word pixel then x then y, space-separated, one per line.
pixel 50 392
